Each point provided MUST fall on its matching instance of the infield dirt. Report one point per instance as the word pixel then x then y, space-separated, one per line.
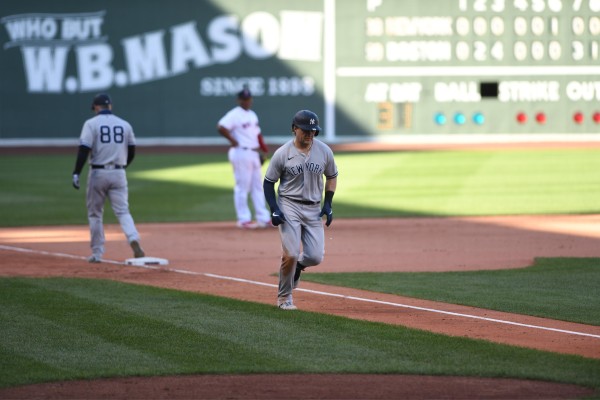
pixel 419 244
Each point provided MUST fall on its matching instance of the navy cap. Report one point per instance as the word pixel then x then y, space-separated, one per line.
pixel 101 99
pixel 244 94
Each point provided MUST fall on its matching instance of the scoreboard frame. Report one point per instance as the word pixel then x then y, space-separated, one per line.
pixel 464 66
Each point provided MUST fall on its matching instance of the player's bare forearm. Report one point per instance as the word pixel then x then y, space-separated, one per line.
pixel 262 144
pixel 331 184
pixel 227 135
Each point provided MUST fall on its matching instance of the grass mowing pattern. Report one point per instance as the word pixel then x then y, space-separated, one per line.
pixel 199 187
pixel 566 289
pixel 60 329
pixel 444 183
pixel 56 329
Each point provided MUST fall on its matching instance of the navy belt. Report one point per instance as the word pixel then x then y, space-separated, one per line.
pixel 248 148
pixel 95 166
pixel 305 202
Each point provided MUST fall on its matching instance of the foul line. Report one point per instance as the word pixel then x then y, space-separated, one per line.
pixel 318 292
pixel 48 253
pixel 400 305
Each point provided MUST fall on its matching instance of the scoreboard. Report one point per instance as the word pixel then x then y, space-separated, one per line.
pixel 468 66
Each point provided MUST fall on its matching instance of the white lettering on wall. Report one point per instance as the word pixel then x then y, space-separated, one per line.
pixel 145 57
pixel 301 44
pixel 529 91
pixel 31 29
pixel 187 47
pixel 260 35
pixel 26 29
pixel 44 68
pixel 222 32
pixel 418 51
pixel 407 92
pixel 273 86
pixel 94 66
pixel 48 40
pixel 81 29
pixel 456 91
pixel 418 26
pixel 586 91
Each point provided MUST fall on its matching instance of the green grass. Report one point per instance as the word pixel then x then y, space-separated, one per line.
pixel 559 288
pixel 61 329
pixel 198 187
pixel 470 182
pixel 36 190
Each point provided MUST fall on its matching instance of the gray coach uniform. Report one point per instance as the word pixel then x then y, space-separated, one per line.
pixel 110 143
pixel 300 175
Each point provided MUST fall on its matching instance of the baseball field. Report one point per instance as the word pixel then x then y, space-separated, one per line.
pixel 468 272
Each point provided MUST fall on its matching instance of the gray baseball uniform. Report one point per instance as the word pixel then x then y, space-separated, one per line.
pixel 300 192
pixel 108 137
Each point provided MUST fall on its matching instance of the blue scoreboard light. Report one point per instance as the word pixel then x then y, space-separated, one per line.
pixel 469 66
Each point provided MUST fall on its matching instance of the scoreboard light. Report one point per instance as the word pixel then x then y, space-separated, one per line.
pixel 540 118
pixel 578 118
pixel 459 118
pixel 596 117
pixel 521 118
pixel 439 119
pixel 478 118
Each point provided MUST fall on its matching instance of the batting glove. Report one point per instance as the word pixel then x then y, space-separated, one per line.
pixel 277 218
pixel 326 210
pixel 76 181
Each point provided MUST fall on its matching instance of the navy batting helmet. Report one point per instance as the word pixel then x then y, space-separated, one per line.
pixel 307 121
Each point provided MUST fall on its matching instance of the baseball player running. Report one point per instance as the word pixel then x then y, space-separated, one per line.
pixel 240 127
pixel 110 144
pixel 299 166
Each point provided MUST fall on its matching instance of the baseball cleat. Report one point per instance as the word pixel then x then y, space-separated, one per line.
pixel 263 225
pixel 137 249
pixel 247 225
pixel 287 305
pixel 94 259
pixel 299 269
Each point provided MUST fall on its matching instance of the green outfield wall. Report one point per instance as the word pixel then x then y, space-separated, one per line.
pixel 369 68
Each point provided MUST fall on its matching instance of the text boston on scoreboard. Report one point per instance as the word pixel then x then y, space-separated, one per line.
pixel 470 66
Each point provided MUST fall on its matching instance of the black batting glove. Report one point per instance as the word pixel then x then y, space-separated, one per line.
pixel 277 217
pixel 326 210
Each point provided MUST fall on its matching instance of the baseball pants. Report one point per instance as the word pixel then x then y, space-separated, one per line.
pixel 111 184
pixel 302 240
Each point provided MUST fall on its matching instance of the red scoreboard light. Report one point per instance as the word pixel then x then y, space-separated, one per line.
pixel 540 118
pixel 578 118
pixel 521 118
pixel 596 117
